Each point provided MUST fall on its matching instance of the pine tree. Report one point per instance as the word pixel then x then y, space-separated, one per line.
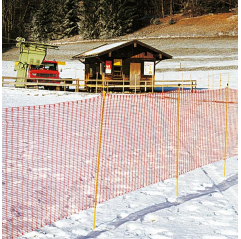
pixel 71 19
pixel 48 21
pixel 117 18
pixel 43 21
pixel 90 19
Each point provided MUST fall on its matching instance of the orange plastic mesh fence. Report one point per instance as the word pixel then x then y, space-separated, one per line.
pixel 50 152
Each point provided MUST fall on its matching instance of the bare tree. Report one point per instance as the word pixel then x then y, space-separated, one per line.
pixel 162 9
pixel 171 7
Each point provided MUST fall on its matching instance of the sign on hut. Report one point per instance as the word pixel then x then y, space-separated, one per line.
pixel 125 65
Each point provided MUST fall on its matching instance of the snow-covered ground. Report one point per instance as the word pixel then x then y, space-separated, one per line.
pixel 207 70
pixel 207 205
pixel 207 208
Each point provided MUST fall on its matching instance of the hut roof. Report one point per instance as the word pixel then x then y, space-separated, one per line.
pixel 106 48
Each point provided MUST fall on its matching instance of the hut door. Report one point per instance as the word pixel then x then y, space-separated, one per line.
pixel 135 75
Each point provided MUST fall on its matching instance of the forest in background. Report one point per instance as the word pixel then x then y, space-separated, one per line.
pixel 45 20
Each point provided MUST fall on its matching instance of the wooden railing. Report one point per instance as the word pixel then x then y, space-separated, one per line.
pixel 39 82
pixel 146 86
pixel 100 84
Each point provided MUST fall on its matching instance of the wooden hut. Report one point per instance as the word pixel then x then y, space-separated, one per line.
pixel 125 65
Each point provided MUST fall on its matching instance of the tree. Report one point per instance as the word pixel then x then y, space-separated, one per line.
pixel 71 19
pixel 90 19
pixel 43 21
pixel 117 18
pixel 162 9
pixel 49 20
pixel 16 16
pixel 171 7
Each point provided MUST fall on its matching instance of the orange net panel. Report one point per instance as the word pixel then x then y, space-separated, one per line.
pixel 50 152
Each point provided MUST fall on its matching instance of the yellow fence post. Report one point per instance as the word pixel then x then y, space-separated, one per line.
pixel 226 132
pixel 98 162
pixel 178 113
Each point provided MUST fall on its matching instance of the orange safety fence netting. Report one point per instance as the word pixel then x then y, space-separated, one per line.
pixel 50 152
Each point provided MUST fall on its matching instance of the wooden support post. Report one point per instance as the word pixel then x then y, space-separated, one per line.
pixel 98 160
pixel 135 83
pixel 152 84
pixel 213 82
pixel 220 82
pixel 162 83
pixel 182 81
pixel 178 114
pixel 103 82
pixel 226 132
pixel 208 81
pixel 77 85
pixel 123 77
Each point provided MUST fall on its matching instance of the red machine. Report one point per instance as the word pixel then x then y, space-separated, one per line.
pixel 48 69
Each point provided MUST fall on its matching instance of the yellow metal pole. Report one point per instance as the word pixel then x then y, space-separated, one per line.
pixel 98 162
pixel 226 133
pixel 178 113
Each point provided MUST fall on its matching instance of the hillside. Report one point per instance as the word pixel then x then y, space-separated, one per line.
pixel 208 26
pixel 212 25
